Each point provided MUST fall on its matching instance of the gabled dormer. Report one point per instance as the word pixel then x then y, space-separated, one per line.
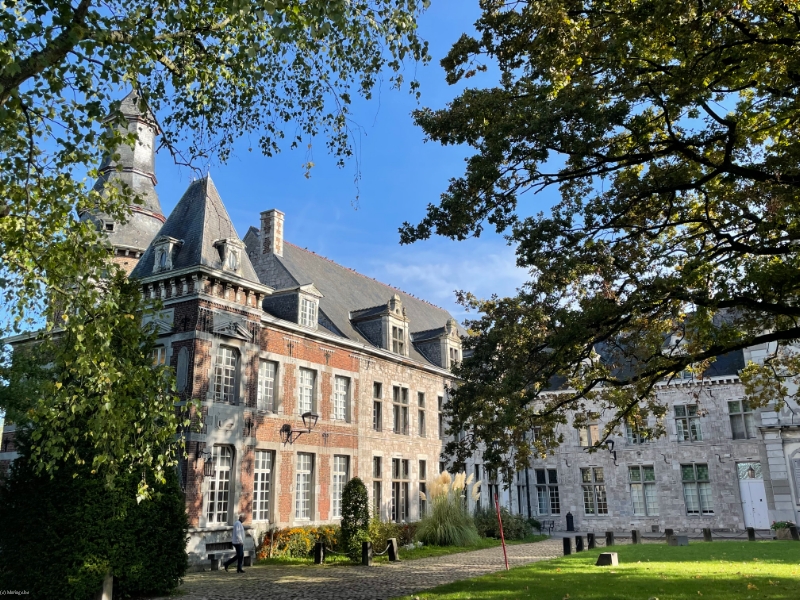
pixel 441 346
pixel 298 304
pixel 164 249
pixel 230 254
pixel 385 326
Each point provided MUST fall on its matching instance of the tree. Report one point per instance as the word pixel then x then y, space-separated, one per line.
pixel 210 73
pixel 670 129
pixel 76 529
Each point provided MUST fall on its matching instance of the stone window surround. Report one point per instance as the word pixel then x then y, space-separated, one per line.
pixel 233 497
pixel 308 298
pixel 407 406
pixel 350 401
pixel 312 486
pixel 347 476
pixel 270 495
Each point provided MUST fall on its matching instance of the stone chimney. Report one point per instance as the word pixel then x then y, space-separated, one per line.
pixel 272 232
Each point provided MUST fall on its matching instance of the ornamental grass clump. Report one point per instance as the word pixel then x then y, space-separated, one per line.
pixel 448 523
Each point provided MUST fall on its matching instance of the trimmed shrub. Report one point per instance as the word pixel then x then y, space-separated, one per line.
pixel 380 532
pixel 448 523
pixel 515 527
pixel 59 536
pixel 297 542
pixel 355 517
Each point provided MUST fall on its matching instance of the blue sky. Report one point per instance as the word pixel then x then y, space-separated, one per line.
pixel 400 176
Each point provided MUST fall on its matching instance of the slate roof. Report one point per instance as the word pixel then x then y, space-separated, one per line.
pixel 345 290
pixel 199 219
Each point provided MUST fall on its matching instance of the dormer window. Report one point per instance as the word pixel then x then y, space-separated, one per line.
pixel 398 340
pixel 165 248
pixel 453 357
pixel 308 312
pixel 230 253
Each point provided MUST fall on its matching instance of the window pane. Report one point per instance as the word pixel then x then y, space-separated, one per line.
pixel 377 390
pixel 266 386
pixel 692 410
pixel 588 499
pixel 637 495
pixel 697 434
pixel 749 470
pixel 691 498
pixel 750 425
pixel 555 501
pixel 341 392
pixel 649 473
pixel 635 474
pixel 586 475
pixel 542 500
pixel 706 504
pixel 377 467
pixel 702 472
pixel 540 476
pixel 680 411
pixel 737 427
pixel 602 503
pixel 307 381
pixel 687 472
pixel 734 407
pixel 651 499
pixel 552 475
pixel 598 474
pixel 261 485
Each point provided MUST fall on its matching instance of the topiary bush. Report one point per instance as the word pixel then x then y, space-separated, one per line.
pixel 59 536
pixel 355 517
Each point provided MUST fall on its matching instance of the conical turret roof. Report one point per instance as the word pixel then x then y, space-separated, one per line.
pixel 200 221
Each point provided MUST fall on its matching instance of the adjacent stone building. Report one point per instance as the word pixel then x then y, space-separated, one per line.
pixel 721 465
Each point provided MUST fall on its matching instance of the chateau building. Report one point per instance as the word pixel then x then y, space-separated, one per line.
pixel 307 374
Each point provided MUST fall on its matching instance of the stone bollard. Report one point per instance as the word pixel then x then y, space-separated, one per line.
pixel 578 543
pixel 751 534
pixel 366 554
pixel 567 546
pixel 590 541
pixel 609 538
pixel 636 536
pixel 706 534
pixel 319 553
pixel 793 533
pixel 108 587
pixel 394 555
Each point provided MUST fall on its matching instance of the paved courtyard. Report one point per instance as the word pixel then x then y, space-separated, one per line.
pixel 331 582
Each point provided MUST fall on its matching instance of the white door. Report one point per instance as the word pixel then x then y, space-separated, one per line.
pixel 754 496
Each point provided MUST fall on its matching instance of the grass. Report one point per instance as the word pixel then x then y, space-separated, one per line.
pixel 707 571
pixel 416 553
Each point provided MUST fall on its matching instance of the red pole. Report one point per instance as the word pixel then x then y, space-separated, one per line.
pixel 502 537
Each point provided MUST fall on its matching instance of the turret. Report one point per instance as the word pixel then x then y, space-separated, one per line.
pixel 135 167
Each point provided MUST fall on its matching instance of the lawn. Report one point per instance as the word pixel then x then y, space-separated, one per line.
pixel 711 571
pixel 416 553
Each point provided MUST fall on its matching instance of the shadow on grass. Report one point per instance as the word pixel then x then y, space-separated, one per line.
pixel 716 571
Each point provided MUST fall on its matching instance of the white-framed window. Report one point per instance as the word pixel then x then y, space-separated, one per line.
pixel 398 340
pixel 547 499
pixel 377 406
pixel 643 490
pixel 594 491
pixel 308 384
pixel 423 488
pixel 308 313
pixel 697 489
pixel 454 357
pixel 743 421
pixel 341 398
pixel 262 482
pixel 341 471
pixel 439 402
pixel 159 356
pixel 687 423
pixel 305 473
pixel 266 385
pixel 377 487
pixel 588 436
pixel 225 371
pixel 219 487
pixel 400 409
pixel 633 435
pixel 399 490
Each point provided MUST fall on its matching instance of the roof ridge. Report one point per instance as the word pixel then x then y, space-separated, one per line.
pixel 391 287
